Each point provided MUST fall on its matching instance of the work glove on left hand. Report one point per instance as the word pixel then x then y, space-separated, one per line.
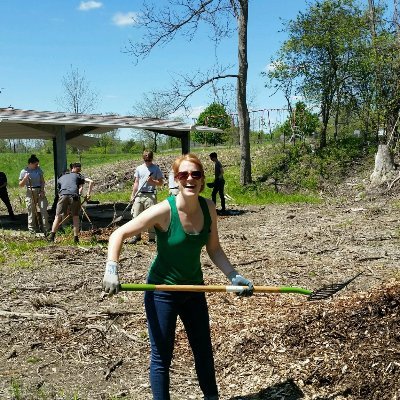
pixel 239 280
pixel 111 280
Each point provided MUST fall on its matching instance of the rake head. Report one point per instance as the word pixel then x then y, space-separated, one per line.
pixel 328 291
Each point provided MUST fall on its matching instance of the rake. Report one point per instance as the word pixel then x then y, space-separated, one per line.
pixel 323 293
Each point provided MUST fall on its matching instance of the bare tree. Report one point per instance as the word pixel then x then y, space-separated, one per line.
pixel 184 16
pixel 152 105
pixel 78 98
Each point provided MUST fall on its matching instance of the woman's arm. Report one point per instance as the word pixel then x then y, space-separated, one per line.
pixel 220 259
pixel 214 249
pixel 157 215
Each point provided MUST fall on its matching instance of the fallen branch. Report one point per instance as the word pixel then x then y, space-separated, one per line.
pixel 134 338
pixel 392 183
pixel 370 258
pixel 251 261
pixel 13 314
pixel 112 369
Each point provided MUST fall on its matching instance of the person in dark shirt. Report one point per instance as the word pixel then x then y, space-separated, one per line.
pixel 219 181
pixel 70 186
pixel 4 195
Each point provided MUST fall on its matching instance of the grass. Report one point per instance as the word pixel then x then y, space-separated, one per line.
pixel 19 252
pixel 13 163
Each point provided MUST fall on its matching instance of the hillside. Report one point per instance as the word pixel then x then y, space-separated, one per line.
pixel 62 338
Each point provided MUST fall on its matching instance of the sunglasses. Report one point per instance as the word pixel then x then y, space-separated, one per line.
pixel 183 175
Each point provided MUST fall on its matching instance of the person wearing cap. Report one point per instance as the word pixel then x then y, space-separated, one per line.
pixel 148 177
pixel 32 178
pixel 70 187
pixel 4 195
pixel 219 181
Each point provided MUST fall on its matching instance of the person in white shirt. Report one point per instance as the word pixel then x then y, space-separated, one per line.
pixel 148 177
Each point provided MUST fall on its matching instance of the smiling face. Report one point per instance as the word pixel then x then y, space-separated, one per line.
pixel 188 178
pixel 189 174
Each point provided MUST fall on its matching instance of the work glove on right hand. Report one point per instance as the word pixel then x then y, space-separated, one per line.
pixel 111 280
pixel 239 280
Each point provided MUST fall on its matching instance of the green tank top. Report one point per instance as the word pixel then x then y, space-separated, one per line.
pixel 178 253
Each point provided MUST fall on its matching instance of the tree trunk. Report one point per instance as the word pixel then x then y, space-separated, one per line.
pixel 384 166
pixel 243 112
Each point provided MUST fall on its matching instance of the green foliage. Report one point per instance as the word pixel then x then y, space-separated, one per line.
pixel 298 167
pixel 301 123
pixel 16 389
pixel 320 59
pixel 214 116
pixel 132 146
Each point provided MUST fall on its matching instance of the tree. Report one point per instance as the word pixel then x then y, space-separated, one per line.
pixel 152 106
pixel 321 53
pixel 108 140
pixel 386 49
pixel 301 123
pixel 184 16
pixel 214 116
pixel 78 98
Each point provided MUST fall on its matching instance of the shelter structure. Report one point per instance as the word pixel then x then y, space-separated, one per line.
pixel 74 129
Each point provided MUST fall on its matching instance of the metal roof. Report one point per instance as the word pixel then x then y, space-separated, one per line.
pixel 30 124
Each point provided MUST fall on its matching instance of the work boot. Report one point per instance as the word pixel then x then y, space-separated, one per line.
pixel 76 239
pixel 212 397
pixel 52 237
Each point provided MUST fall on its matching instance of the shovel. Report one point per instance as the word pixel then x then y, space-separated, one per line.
pixel 121 217
pixel 320 294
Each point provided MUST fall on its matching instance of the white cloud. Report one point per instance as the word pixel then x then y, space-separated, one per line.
pixel 89 5
pixel 297 98
pixel 124 19
pixel 272 66
pixel 196 111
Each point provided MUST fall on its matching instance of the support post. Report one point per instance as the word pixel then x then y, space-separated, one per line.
pixel 185 142
pixel 60 158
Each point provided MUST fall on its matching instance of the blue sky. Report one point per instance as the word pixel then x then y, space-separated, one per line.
pixel 41 40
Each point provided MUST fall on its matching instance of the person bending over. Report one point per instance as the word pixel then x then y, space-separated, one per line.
pixel 70 186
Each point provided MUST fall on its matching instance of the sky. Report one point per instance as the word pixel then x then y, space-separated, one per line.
pixel 40 41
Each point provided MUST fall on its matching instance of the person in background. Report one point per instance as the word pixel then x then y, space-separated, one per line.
pixel 4 195
pixel 32 178
pixel 144 192
pixel 70 186
pixel 219 182
pixel 184 224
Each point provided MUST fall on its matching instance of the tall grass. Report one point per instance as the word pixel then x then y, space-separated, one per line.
pixel 13 163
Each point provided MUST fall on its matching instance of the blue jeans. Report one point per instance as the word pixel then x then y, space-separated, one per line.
pixel 162 310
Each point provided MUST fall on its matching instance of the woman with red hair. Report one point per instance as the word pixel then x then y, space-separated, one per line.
pixel 184 224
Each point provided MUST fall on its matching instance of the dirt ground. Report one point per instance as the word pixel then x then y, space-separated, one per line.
pixel 61 338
